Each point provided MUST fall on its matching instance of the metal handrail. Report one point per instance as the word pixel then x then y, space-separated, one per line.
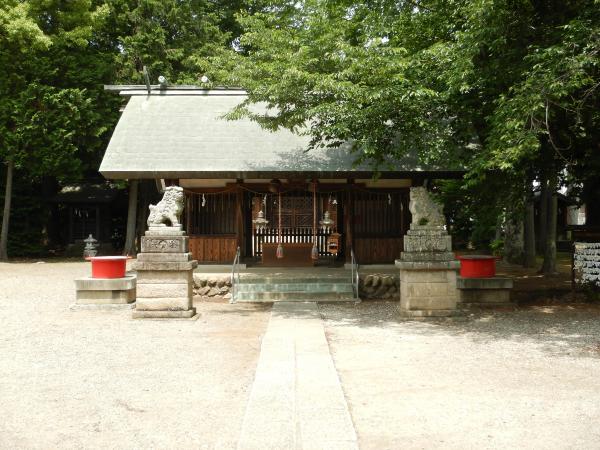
pixel 354 275
pixel 235 275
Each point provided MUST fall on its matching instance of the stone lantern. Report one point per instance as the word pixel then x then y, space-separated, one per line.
pixel 91 247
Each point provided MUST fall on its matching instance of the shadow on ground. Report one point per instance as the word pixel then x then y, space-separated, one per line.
pixel 557 329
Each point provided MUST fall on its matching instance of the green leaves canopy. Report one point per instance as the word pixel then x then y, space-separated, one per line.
pixel 487 83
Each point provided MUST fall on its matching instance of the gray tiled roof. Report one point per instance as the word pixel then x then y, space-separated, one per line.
pixel 182 134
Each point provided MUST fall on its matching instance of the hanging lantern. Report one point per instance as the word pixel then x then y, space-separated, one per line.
pixel 327 223
pixel 279 252
pixel 260 222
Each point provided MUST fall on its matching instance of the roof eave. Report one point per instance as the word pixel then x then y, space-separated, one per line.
pixel 267 175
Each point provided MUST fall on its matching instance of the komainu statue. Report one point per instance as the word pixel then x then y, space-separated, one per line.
pixel 425 211
pixel 168 209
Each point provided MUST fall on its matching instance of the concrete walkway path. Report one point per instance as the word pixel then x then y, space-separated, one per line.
pixel 296 400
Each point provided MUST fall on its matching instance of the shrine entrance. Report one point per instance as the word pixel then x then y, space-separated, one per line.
pixel 258 218
pixel 292 224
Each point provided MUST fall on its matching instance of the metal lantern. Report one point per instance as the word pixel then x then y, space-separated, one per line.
pixel 260 222
pixel 327 223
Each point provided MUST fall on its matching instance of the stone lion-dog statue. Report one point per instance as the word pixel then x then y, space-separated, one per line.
pixel 168 209
pixel 425 211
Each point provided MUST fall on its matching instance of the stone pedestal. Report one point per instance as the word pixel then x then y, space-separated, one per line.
pixel 428 273
pixel 483 292
pixel 164 280
pixel 105 291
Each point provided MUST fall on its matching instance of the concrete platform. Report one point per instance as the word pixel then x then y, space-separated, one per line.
pixel 494 291
pixel 105 291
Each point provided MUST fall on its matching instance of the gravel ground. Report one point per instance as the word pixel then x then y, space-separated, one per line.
pixel 99 379
pixel 523 379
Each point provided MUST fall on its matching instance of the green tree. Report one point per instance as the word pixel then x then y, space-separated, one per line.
pixel 507 88
pixel 44 124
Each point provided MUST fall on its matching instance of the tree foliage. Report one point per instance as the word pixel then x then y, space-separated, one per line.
pixel 506 88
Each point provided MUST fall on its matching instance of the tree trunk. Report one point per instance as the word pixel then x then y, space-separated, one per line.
pixel 6 214
pixel 529 223
pixel 513 238
pixel 543 218
pixel 130 244
pixel 549 264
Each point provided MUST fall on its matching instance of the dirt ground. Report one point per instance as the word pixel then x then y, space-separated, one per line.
pixel 517 379
pixel 99 379
pixel 523 378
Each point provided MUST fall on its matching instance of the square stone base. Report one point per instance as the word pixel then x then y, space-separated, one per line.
pixel 485 291
pixel 428 291
pixel 105 291
pixel 165 292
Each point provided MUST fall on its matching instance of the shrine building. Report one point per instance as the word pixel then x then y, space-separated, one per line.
pixel 260 190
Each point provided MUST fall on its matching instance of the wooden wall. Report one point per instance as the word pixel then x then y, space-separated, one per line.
pixel 374 250
pixel 216 249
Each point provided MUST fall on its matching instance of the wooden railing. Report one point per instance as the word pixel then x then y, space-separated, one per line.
pixel 289 235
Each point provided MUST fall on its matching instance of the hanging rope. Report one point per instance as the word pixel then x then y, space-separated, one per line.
pixel 314 254
pixel 279 252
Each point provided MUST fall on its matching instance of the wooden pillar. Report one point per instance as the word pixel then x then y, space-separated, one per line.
pixel 349 219
pixel 239 216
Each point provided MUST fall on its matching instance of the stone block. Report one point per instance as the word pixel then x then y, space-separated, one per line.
pixel 164 232
pixel 164 257
pixel 104 297
pixel 485 296
pixel 104 291
pixel 426 290
pixel 146 314
pixel 427 256
pixel 173 244
pixel 427 265
pixel 420 276
pixel 166 304
pixel 167 265
pixel 426 243
pixel 428 303
pixel 105 284
pixel 484 283
pixel 165 276
pixel 156 290
pixel 164 226
pixel 427 228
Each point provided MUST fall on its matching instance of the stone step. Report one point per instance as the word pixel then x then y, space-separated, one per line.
pixel 295 287
pixel 291 279
pixel 300 296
